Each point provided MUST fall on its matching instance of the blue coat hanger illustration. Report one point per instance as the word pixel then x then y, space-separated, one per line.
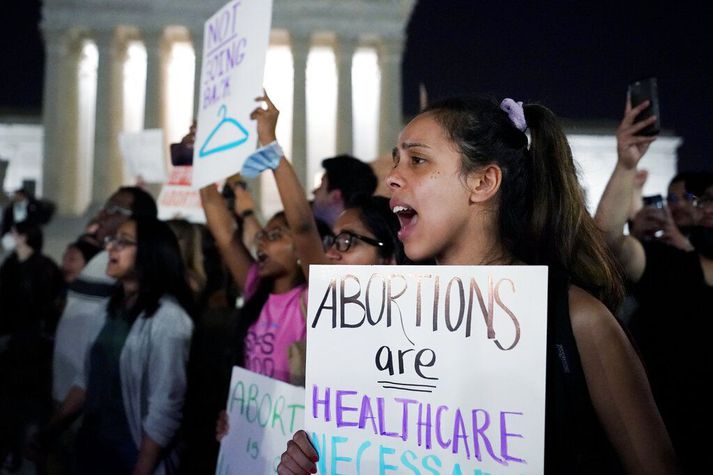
pixel 208 148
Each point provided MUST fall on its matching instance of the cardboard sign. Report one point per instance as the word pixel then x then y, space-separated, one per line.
pixel 263 414
pixel 143 153
pixel 235 43
pixel 427 369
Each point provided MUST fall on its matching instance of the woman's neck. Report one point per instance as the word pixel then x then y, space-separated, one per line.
pixel 476 247
pixel 284 283
pixel 131 290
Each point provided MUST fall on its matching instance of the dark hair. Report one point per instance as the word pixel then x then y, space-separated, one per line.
pixel 85 248
pixel 159 270
pixel 142 204
pixel 695 183
pixel 32 232
pixel 350 175
pixel 542 218
pixel 377 216
pixel 250 312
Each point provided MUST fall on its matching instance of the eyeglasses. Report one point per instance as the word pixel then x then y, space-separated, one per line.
pixel 687 197
pixel 703 202
pixel 271 234
pixel 116 209
pixel 119 242
pixel 344 240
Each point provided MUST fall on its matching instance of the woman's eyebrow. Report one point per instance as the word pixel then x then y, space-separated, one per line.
pixel 407 145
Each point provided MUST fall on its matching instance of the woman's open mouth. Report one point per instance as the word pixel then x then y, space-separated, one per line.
pixel 408 217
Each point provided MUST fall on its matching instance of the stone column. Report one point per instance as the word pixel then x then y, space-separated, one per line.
pixel 53 154
pixel 197 40
pixel 300 43
pixel 108 170
pixel 344 54
pixel 62 176
pixel 390 114
pixel 154 114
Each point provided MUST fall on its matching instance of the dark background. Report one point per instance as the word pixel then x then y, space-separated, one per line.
pixel 576 57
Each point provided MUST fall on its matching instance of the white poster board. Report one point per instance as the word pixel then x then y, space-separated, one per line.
pixel 143 153
pixel 178 199
pixel 235 43
pixel 427 369
pixel 263 413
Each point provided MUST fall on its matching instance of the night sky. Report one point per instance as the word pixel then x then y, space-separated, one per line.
pixel 576 57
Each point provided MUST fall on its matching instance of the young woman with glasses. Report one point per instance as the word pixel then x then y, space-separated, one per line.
pixel 132 390
pixel 272 285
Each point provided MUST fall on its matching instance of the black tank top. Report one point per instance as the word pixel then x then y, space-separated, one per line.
pixel 575 442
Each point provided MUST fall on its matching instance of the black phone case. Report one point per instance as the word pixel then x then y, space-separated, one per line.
pixel 640 91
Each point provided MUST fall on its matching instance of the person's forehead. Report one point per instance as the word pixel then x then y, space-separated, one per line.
pixel 127 228
pixel 350 220
pixel 677 187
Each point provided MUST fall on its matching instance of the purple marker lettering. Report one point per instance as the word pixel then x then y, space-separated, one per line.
pixel 421 425
pixel 317 402
pixel 479 431
pixel 382 419
pixel 367 413
pixel 504 434
pixel 459 432
pixel 439 437
pixel 404 417
pixel 341 409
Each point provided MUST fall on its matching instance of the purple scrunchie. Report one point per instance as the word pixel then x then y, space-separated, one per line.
pixel 515 112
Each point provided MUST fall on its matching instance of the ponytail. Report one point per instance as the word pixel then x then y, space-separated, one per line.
pixel 542 218
pixel 564 232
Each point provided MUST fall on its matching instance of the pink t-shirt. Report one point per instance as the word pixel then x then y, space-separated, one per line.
pixel 279 325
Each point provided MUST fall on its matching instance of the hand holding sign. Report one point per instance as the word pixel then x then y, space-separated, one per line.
pixel 300 456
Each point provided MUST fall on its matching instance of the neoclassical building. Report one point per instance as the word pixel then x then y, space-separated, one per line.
pixel 120 65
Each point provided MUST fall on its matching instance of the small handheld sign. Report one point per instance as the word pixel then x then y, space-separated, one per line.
pixel 235 43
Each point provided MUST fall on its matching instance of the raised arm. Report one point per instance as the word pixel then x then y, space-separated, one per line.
pixel 613 209
pixel 297 209
pixel 619 389
pixel 222 226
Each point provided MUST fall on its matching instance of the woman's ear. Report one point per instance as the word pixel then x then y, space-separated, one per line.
pixel 484 183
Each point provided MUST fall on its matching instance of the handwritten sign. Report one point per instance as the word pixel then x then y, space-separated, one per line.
pixel 263 413
pixel 426 369
pixel 235 43
pixel 143 153
pixel 178 199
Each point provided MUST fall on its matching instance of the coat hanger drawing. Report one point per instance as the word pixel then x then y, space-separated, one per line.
pixel 208 149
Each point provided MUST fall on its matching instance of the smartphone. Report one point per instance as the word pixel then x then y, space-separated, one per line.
pixel 656 202
pixel 646 90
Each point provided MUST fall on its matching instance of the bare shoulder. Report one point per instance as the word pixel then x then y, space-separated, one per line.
pixel 589 316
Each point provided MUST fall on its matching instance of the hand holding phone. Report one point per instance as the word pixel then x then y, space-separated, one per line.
pixel 646 90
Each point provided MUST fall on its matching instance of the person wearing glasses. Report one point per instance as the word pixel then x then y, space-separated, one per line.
pixel 86 299
pixel 671 222
pixel 674 290
pixel 272 285
pixel 132 387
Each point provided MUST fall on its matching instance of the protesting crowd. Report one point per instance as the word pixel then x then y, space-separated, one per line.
pixel 118 360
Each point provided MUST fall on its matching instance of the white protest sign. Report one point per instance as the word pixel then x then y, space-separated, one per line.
pixel 427 369
pixel 143 153
pixel 235 43
pixel 178 199
pixel 263 413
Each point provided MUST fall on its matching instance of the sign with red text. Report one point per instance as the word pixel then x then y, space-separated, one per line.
pixel 235 43
pixel 427 369
pixel 178 199
pixel 263 413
